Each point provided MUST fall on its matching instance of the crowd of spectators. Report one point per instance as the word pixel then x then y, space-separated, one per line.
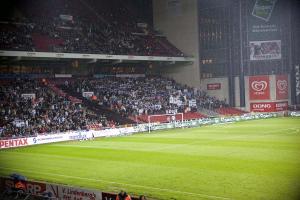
pixel 82 27
pixel 146 95
pixel 30 107
pixel 17 37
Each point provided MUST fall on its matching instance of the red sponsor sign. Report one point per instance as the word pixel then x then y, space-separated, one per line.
pixel 269 106
pixel 214 86
pixel 282 87
pixel 259 87
pixel 13 143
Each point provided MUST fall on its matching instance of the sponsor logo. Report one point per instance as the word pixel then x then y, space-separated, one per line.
pixel 259 106
pixel 269 106
pixel 282 87
pixel 281 105
pixel 13 143
pixel 78 137
pixel 282 84
pixel 259 86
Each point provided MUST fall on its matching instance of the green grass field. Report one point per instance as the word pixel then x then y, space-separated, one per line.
pixel 250 160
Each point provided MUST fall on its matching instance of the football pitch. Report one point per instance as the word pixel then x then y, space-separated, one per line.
pixel 257 159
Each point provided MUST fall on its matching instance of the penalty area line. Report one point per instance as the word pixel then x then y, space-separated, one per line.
pixel 118 183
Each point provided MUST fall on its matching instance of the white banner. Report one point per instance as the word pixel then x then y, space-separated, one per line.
pixel 142 25
pixel 179 102
pixel 28 96
pixel 172 100
pixel 18 123
pixel 87 94
pixel 192 103
pixel 171 111
pixel 66 192
pixel 66 17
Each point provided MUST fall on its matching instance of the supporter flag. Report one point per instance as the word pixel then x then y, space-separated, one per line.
pixel 281 87
pixel 259 87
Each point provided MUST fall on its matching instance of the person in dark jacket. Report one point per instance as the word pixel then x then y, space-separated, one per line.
pixel 123 196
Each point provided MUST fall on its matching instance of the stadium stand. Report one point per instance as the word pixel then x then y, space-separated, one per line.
pixel 30 107
pixel 146 96
pixel 76 27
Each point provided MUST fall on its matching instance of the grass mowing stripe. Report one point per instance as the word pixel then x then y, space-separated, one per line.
pixel 117 183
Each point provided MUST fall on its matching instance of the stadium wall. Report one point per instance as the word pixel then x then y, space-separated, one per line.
pixel 177 19
pixel 272 98
pixel 216 87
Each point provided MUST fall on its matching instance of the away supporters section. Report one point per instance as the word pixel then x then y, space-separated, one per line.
pixel 55 191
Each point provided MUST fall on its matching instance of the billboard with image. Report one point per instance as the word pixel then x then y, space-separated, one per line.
pixel 265 50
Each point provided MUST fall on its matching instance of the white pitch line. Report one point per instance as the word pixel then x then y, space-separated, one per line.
pixel 118 183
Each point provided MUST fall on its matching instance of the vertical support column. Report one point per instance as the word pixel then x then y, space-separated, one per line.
pixel 294 52
pixel 230 67
pixel 241 54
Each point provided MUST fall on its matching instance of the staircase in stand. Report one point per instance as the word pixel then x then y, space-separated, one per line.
pixel 98 109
